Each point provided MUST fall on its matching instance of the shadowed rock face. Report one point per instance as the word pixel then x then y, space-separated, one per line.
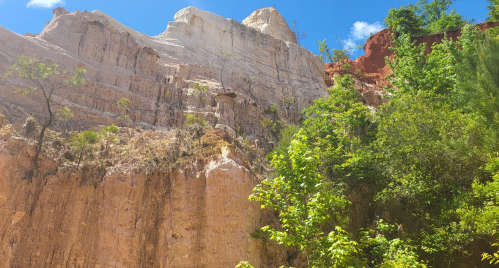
pixel 158 73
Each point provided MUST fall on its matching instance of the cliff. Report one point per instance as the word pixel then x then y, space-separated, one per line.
pixel 158 73
pixel 122 210
pixel 157 198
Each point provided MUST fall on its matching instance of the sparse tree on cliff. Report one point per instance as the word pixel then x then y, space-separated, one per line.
pixel 300 35
pixel 83 143
pixel 197 125
pixel 44 79
pixel 225 56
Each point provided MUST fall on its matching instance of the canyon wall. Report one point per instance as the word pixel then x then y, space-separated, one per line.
pixel 262 66
pixel 194 214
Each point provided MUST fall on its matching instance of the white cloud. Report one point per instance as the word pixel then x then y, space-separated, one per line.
pixel 349 43
pixel 44 3
pixel 362 30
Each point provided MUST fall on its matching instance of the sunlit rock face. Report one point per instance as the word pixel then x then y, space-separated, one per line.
pixel 259 61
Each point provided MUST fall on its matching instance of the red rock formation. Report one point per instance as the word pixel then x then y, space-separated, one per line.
pixel 373 67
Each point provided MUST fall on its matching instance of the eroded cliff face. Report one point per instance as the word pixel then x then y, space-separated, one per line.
pixel 194 214
pixel 372 65
pixel 158 73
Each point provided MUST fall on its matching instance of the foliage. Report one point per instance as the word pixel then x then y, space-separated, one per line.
pixel 405 20
pixel 428 155
pixel 83 143
pixel 45 78
pixel 387 249
pixel 478 89
pixel 494 258
pixel 414 71
pixel 493 8
pixel 200 88
pixel 123 104
pixel 64 114
pixel 426 17
pixel 197 125
pixel 338 124
pixel 333 55
pixel 304 201
pixel 244 264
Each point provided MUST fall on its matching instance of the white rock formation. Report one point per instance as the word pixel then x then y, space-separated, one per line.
pixel 269 21
pixel 157 73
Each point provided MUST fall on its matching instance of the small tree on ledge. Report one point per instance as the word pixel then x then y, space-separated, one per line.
pixel 44 79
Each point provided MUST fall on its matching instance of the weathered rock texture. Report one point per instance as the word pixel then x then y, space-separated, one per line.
pixel 196 215
pixel 269 21
pixel 158 73
pixel 373 66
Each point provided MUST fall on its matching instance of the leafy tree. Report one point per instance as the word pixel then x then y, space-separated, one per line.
pixel 64 114
pixel 387 249
pixel 413 70
pixel 83 143
pixel 426 17
pixel 478 86
pixel 45 79
pixel 305 203
pixel 493 8
pixel 109 134
pixel 123 104
pixel 334 55
pixel 405 20
pixel 429 156
pixel 197 125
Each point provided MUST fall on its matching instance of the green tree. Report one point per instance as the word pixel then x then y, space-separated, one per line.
pixel 429 156
pixel 109 134
pixel 64 114
pixel 244 264
pixel 405 20
pixel 305 203
pixel 478 86
pixel 83 143
pixel 45 79
pixel 197 125
pixel 493 8
pixel 123 104
pixel 413 70
pixel 426 17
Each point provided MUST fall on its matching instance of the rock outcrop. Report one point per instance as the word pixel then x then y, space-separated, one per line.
pixel 196 214
pixel 262 67
pixel 373 66
pixel 269 21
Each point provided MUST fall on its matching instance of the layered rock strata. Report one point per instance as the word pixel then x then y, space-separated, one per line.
pixel 259 67
pixel 196 214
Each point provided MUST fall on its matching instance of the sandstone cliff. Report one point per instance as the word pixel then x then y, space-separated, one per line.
pixel 191 214
pixel 158 73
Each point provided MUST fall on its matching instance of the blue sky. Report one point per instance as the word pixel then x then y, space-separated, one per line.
pixel 351 20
